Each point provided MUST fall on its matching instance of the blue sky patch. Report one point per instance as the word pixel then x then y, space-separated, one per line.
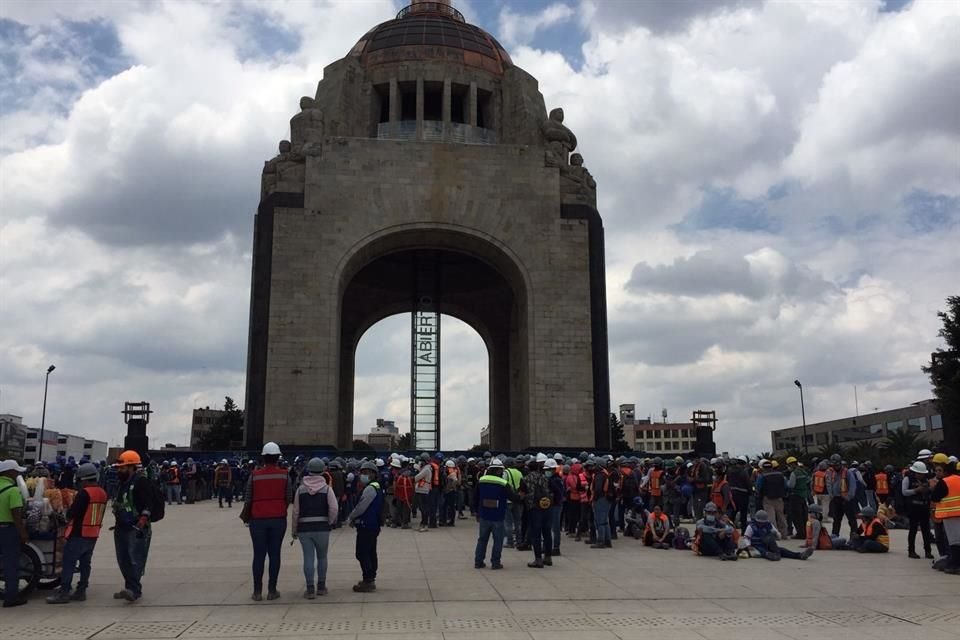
pixel 265 38
pixel 722 209
pixel 928 212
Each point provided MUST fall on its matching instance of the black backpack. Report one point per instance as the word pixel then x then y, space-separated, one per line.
pixel 157 501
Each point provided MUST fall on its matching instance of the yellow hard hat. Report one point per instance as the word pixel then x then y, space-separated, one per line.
pixel 940 458
pixel 775 464
pixel 791 460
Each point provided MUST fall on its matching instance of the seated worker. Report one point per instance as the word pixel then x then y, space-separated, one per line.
pixel 871 535
pixel 635 519
pixel 818 538
pixel 658 532
pixel 762 536
pixel 714 537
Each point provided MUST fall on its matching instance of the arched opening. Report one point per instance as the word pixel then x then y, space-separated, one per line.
pixel 382 387
pixel 476 283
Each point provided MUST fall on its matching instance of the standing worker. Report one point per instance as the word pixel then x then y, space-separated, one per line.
pixel 315 506
pixel 84 520
pixel 916 496
pixel 132 531
pixel 946 495
pixel 13 533
pixel 798 496
pixel 265 511
pixel 366 518
pixel 223 481
pixel 491 501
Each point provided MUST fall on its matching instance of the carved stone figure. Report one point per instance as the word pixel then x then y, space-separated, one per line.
pixel 576 183
pixel 283 170
pixel 560 141
pixel 307 126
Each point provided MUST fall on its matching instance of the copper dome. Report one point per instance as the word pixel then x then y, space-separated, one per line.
pixel 431 31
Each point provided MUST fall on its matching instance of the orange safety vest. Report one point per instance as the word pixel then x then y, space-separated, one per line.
pixel 949 507
pixel 883 538
pixel 269 493
pixel 843 479
pixel 664 523
pixel 883 485
pixel 435 479
pixel 819 482
pixel 93 516
pixel 824 541
pixel 174 476
pixel 655 488
pixel 716 494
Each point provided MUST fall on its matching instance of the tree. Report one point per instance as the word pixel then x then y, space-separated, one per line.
pixel 863 451
pixel 360 445
pixel 900 447
pixel 944 372
pixel 617 441
pixel 828 450
pixel 403 442
pixel 226 431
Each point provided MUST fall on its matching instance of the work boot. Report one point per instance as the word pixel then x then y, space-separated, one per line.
pixel 80 595
pixel 496 566
pixel 365 587
pixel 806 554
pixel 272 595
pixel 256 597
pixel 128 595
pixel 555 552
pixel 479 565
pixel 600 546
pixel 523 547
pixel 772 555
pixel 310 593
pixel 119 595
pixel 941 564
pixel 19 602
pixel 321 589
pixel 928 554
pixel 547 561
pixel 59 597
pixel 536 564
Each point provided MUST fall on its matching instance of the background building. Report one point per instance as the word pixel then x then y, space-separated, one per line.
pixel 922 418
pixel 383 436
pixel 658 437
pixel 203 419
pixel 485 436
pixel 13 436
pixel 60 444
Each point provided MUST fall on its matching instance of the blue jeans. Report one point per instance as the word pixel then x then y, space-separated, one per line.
pixel 512 523
pixel 225 493
pixel 601 519
pixel 132 547
pixel 314 545
pixel 10 553
pixel 555 512
pixel 497 528
pixel 77 551
pixel 173 494
pixel 267 536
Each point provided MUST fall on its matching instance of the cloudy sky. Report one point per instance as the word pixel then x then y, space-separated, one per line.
pixel 780 185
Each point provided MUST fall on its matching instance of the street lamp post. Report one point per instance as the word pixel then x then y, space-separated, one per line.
pixel 803 415
pixel 43 416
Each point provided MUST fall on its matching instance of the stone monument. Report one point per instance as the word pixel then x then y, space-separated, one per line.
pixel 427 151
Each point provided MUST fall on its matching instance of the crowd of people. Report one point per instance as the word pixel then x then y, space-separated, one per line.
pixel 728 508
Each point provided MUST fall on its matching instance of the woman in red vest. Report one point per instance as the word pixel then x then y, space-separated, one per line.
pixel 84 519
pixel 265 511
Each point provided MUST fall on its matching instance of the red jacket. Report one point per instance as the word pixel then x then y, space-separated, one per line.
pixel 403 488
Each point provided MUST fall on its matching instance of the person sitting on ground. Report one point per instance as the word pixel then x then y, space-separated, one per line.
pixel 635 520
pixel 658 532
pixel 714 537
pixel 762 536
pixel 872 536
pixel 818 538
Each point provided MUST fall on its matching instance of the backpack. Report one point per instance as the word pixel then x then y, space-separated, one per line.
pixel 158 502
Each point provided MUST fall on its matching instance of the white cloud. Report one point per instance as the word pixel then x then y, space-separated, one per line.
pixel 126 203
pixel 517 29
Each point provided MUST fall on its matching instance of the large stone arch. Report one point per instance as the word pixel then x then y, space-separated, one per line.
pixel 480 284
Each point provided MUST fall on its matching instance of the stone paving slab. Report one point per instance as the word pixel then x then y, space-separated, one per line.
pixel 198 587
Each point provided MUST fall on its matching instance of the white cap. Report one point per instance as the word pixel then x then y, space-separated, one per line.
pixel 451 463
pixel 550 464
pixel 541 458
pixel 496 463
pixel 11 465
pixel 918 467
pixel 270 449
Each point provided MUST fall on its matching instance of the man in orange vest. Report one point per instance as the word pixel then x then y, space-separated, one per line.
pixel 84 519
pixel 172 481
pixel 882 479
pixel 269 493
pixel 872 536
pixel 946 495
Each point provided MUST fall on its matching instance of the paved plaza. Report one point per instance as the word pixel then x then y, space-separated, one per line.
pixel 198 585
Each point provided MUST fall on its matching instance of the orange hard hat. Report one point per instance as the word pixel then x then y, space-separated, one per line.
pixel 127 458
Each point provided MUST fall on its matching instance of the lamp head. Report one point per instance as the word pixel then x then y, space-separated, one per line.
pixel 51 368
pixel 797 382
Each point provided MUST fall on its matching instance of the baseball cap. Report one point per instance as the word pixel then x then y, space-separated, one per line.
pixel 11 465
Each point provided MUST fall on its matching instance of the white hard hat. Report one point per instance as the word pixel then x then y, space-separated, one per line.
pixel 550 464
pixel 496 463
pixel 541 458
pixel 743 459
pixel 952 459
pixel 224 461
pixel 451 463
pixel 395 463
pixel 395 455
pixel 378 462
pixel 924 454
pixel 558 456
pixel 918 467
pixel 270 449
pixel 173 464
